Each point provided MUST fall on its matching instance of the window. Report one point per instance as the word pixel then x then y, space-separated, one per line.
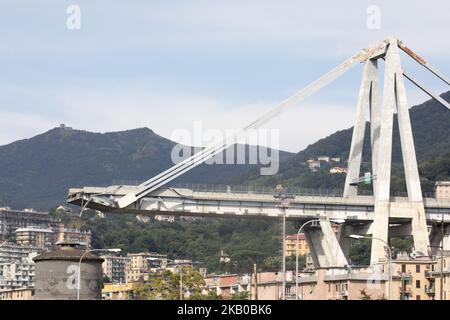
pixel 417 268
pixel 403 268
pixel 417 297
pixel 418 284
pixel 329 287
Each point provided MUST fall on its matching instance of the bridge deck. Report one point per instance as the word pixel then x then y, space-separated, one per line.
pixel 187 202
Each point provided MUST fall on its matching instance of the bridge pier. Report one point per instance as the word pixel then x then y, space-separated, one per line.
pixel 324 246
pixel 344 241
pixel 436 238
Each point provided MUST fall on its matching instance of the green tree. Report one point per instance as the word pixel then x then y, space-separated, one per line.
pixel 243 295
pixel 166 285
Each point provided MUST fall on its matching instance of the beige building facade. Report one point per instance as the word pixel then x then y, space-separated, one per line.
pixel 302 245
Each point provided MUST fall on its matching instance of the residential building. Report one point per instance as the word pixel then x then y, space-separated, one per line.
pixel 17 294
pixel 442 189
pixel 313 164
pixel 414 278
pixel 341 284
pixel 434 274
pixel 114 268
pixel 173 265
pixel 269 286
pixel 337 170
pixel 228 284
pixel 116 291
pixel 11 220
pixel 224 257
pixel 144 263
pixel 17 266
pixel 35 236
pixel 61 233
pixel 302 245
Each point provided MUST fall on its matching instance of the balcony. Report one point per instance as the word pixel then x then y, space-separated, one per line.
pixel 406 290
pixel 430 274
pixel 431 290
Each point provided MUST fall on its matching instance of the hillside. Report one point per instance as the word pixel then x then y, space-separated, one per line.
pixel 38 172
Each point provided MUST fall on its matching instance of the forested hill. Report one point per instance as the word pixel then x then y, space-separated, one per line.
pixel 37 172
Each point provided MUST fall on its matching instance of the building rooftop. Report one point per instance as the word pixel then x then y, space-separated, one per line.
pixel 441 183
pixel 34 229
pixel 294 237
pixel 72 254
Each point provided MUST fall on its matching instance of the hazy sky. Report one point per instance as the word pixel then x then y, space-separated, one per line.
pixel 165 64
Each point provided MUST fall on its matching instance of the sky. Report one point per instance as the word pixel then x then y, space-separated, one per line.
pixel 169 65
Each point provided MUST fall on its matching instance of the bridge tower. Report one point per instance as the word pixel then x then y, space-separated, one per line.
pixel 330 250
pixel 380 112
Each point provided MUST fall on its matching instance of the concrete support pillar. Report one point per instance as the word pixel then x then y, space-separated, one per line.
pixel 419 225
pixel 419 228
pixel 344 242
pixel 380 230
pixel 375 118
pixel 380 224
pixel 355 156
pixel 324 246
pixel 436 238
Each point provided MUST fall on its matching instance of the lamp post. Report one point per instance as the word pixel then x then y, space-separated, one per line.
pixel 79 265
pixel 357 236
pixel 285 202
pixel 441 247
pixel 181 283
pixel 338 221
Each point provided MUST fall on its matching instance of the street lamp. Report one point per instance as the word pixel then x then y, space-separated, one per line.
pixel 79 265
pixel 285 202
pixel 357 236
pixel 338 221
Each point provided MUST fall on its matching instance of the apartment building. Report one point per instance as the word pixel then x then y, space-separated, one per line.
pixel 118 291
pixel 302 245
pixel 114 268
pixel 341 284
pixel 17 266
pixel 338 170
pixel 11 220
pixel 35 236
pixel 411 280
pixel 17 294
pixel 228 284
pixel 142 264
pixel 62 233
pixel 269 286
pixel 442 189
